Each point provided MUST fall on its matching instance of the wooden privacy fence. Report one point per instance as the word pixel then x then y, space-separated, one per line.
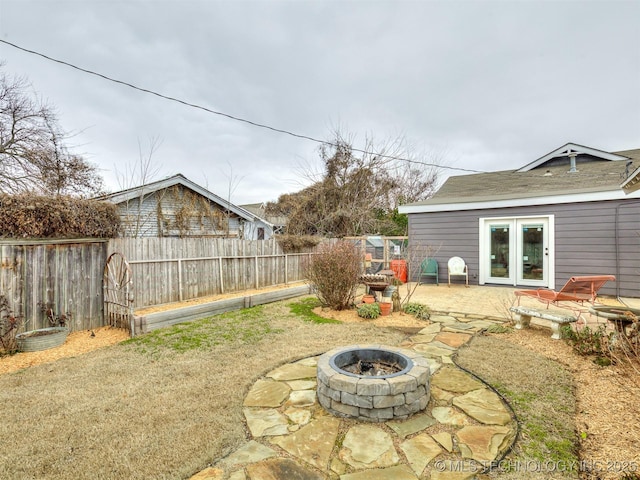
pixel 67 274
pixel 177 269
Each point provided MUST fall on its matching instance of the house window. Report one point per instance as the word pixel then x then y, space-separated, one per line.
pixel 260 233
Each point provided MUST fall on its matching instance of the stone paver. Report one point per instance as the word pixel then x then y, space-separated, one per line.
pixel 266 422
pixel 294 437
pixel 452 339
pixel 420 450
pixel 314 442
pixel 453 379
pixel 367 446
pixel 482 443
pixel 281 468
pixel 267 394
pixel 251 452
pixel 293 371
pixel 483 405
pixel 401 472
pixel 444 439
pixel 450 416
pixel 412 425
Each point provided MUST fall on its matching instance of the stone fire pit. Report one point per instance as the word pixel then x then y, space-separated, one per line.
pixel 389 383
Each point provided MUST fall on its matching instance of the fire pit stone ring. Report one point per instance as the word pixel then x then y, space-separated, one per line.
pixel 377 397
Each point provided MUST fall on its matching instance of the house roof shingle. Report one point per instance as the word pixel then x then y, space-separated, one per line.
pixel 550 178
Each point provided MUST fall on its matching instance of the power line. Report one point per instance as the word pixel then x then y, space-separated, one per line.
pixel 231 117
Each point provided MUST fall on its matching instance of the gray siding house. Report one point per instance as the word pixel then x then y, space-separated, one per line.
pixel 178 207
pixel 573 211
pixel 276 224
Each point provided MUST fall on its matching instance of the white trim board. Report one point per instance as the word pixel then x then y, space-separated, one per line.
pixel 520 202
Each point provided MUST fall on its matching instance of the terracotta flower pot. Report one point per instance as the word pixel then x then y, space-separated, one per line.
pixel 368 299
pixel 385 308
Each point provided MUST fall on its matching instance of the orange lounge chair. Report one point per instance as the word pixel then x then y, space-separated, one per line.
pixel 577 289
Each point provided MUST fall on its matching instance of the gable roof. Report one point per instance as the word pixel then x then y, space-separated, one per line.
pixel 632 183
pixel 179 179
pixel 571 149
pixel 547 180
pixel 259 209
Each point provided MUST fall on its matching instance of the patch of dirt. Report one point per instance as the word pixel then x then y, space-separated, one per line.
pixel 399 320
pixel 77 343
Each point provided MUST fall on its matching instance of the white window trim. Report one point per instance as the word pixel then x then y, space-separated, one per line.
pixel 483 274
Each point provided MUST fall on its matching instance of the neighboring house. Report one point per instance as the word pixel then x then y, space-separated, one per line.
pixel 274 224
pixel 574 211
pixel 178 207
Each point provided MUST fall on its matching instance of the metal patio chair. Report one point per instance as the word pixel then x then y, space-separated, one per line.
pixel 456 267
pixel 428 268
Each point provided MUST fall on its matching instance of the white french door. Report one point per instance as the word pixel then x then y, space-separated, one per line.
pixel 516 251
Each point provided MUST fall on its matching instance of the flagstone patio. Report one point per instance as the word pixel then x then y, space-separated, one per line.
pixel 465 426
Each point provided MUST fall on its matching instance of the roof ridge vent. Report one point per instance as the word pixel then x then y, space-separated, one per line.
pixel 572 159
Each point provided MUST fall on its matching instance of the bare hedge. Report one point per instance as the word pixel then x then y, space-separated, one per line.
pixel 33 216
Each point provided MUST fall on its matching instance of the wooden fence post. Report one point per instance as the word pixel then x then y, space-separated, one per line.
pixel 221 276
pixel 180 295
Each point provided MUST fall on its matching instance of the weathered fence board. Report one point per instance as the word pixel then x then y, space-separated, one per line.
pixel 169 270
pixel 69 273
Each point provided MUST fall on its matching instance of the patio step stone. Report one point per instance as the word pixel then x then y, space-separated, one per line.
pixel 452 339
pixel 293 436
pixel 483 405
pixel 282 468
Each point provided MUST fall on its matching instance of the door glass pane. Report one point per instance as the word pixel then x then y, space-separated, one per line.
pixel 532 251
pixel 500 251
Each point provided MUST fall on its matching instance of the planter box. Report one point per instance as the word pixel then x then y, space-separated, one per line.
pixel 41 339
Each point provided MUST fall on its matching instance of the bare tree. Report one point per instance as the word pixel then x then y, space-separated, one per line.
pixel 33 151
pixel 232 185
pixel 359 190
pixel 136 219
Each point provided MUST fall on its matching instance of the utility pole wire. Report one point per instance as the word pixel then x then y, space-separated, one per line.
pixel 231 117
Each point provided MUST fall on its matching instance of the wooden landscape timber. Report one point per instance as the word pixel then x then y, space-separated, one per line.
pixel 173 314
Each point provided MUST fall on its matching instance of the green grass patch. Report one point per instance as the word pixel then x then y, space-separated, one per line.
pixel 540 391
pixel 246 326
pixel 304 310
pixel 499 328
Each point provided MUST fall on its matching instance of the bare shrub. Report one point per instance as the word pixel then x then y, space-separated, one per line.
pixel 297 243
pixel 34 216
pixel 9 326
pixel 333 272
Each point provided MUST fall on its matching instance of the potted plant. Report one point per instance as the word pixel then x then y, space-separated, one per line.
pixel 385 308
pixel 368 299
pixel 45 338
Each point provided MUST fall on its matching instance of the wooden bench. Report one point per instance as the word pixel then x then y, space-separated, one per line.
pixel 524 314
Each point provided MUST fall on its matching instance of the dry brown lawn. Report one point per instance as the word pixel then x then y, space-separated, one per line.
pixel 119 413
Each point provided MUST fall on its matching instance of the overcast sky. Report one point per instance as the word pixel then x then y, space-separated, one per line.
pixel 482 85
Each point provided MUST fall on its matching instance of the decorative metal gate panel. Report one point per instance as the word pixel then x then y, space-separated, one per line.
pixel 118 293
